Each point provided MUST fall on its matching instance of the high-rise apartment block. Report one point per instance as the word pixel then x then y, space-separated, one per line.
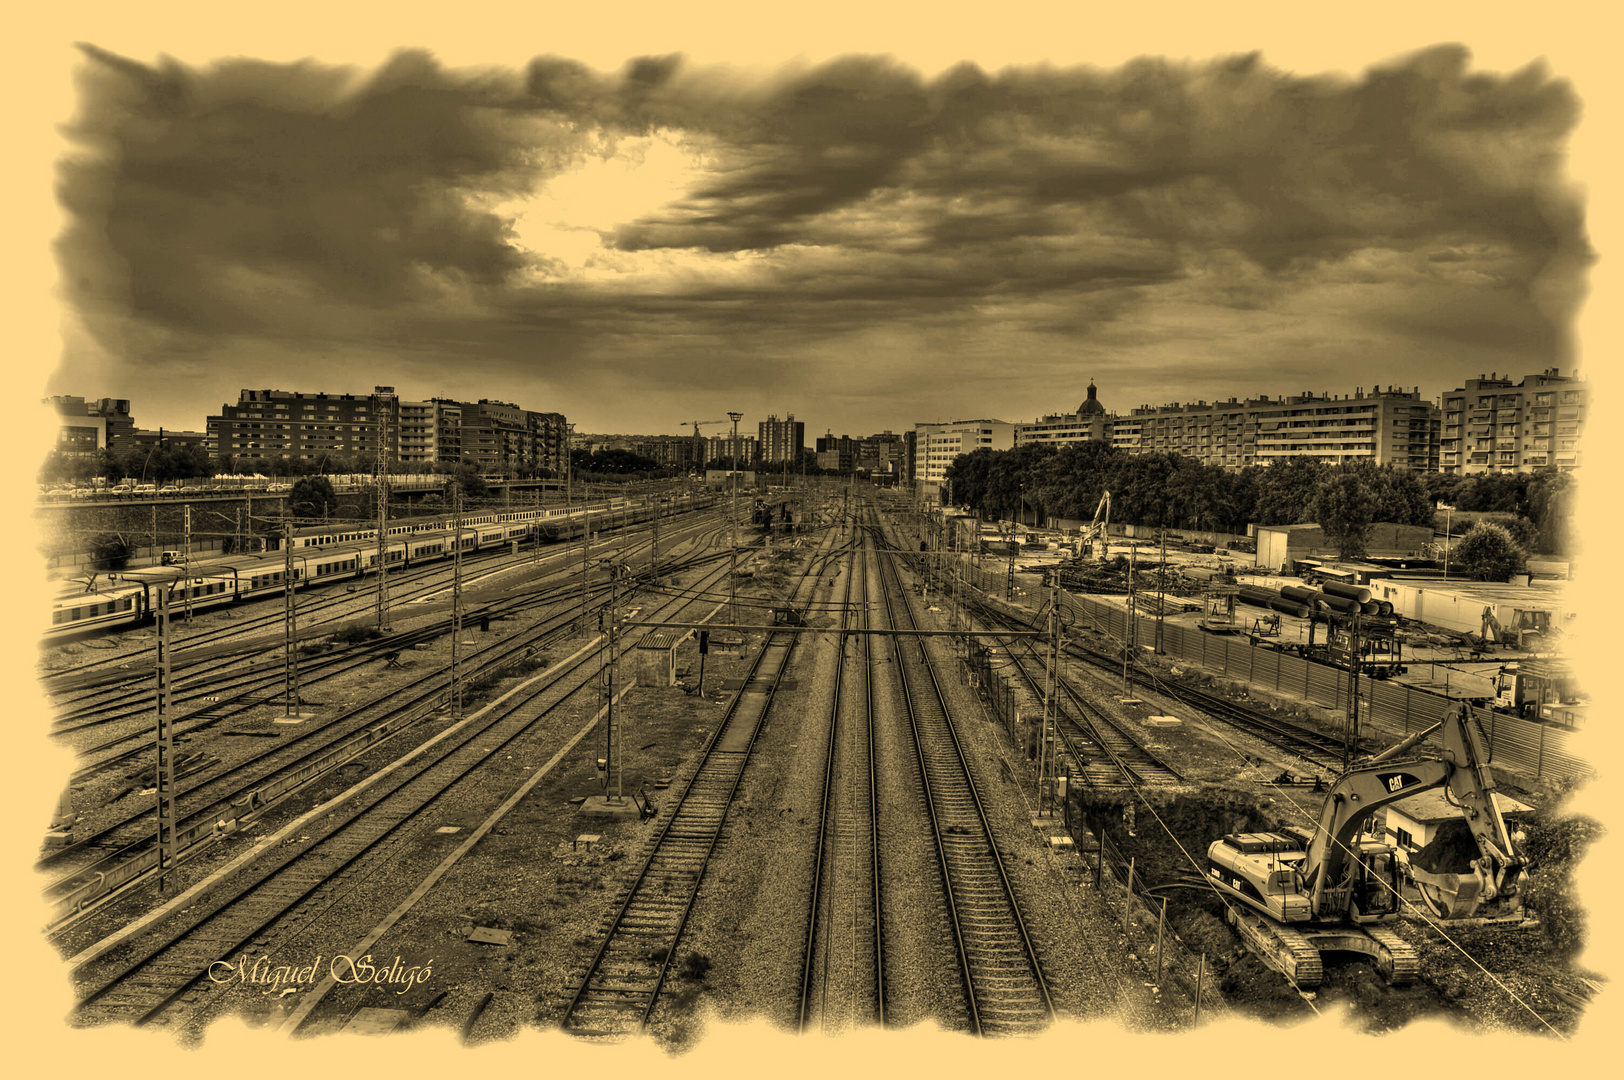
pixel 781 441
pixel 1489 425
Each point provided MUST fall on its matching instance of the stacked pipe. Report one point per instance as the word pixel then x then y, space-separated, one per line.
pixel 1358 594
pixel 1274 601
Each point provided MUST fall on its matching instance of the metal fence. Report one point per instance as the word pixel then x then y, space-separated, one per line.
pixel 1392 708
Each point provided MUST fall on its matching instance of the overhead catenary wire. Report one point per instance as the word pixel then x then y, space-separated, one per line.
pixel 1433 923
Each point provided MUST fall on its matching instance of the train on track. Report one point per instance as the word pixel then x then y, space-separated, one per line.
pixel 121 598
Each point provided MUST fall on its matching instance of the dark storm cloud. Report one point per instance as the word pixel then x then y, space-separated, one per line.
pixel 309 205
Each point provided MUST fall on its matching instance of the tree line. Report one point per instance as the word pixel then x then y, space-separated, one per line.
pixel 1171 491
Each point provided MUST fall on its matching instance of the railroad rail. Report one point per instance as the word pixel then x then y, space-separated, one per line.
pixel 622 982
pixel 846 881
pixel 167 981
pixel 1004 987
pixel 259 780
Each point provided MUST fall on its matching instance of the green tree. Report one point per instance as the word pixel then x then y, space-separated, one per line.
pixel 1488 553
pixel 312 497
pixel 1286 491
pixel 1345 508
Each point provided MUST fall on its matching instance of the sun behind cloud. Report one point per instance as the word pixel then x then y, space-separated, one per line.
pixel 618 180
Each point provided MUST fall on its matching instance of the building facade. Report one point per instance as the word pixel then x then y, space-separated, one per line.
pixel 1386 427
pixel 1490 425
pixel 938 444
pixel 292 424
pixel 495 437
pixel 781 441
pixel 722 446
pixel 84 427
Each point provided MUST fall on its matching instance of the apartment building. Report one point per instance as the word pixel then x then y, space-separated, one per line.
pixel 284 423
pixel 722 446
pixel 1490 425
pixel 938 444
pixel 781 440
pixel 495 437
pixel 1385 426
pixel 1089 422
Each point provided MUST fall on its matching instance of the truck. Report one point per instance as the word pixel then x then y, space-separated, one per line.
pixel 1537 689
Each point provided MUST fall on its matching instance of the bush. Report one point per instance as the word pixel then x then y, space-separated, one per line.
pixel 695 966
pixel 109 552
pixel 1556 844
pixel 1488 553
pixel 355 635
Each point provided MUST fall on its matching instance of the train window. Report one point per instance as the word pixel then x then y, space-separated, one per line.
pixel 78 613
pixel 58 617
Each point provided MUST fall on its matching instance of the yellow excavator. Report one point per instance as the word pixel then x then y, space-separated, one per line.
pixel 1302 892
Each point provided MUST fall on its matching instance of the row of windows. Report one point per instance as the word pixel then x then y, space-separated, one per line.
pixel 91 611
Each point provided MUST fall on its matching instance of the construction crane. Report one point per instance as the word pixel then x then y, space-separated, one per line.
pixel 698 438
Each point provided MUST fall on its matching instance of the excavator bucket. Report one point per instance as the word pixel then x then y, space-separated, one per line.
pixel 1446 873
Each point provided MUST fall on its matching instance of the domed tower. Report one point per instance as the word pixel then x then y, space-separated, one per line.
pixel 1091 406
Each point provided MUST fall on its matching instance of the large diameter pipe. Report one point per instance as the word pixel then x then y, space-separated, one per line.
pixel 1268 598
pixel 1371 607
pixel 1301 595
pixel 1351 592
pixel 1337 603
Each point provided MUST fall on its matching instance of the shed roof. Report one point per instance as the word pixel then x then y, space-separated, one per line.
pixel 1430 807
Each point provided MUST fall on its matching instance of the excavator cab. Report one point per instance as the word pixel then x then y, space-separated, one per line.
pixel 1376 882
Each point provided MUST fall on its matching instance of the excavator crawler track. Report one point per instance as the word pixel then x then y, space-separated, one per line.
pixel 1398 963
pixel 1280 947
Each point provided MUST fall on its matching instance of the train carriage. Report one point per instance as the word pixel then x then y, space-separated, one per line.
pixel 96 607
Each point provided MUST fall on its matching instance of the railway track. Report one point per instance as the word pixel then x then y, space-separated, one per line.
pixel 1004 988
pixel 622 982
pixel 163 977
pixel 280 769
pixel 843 963
pixel 234 693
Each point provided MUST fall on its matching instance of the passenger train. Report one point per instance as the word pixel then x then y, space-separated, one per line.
pixel 126 597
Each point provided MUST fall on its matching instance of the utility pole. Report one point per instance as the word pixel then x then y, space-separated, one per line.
pixel 164 779
pixel 290 626
pixel 733 527
pixel 186 560
pixel 1351 743
pixel 1161 581
pixel 456 600
pixel 1128 631
pixel 611 735
pixel 1049 687
pixel 158 554
pixel 380 405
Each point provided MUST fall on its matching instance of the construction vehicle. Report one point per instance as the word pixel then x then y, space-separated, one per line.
pixel 1535 689
pixel 1095 535
pixel 1525 629
pixel 1371 640
pixel 1304 892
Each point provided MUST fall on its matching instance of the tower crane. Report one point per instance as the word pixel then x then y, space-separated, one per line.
pixel 698 438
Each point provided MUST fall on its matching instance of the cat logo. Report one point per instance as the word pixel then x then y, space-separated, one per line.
pixel 1396 781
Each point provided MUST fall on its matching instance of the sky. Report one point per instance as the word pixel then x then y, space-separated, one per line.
pixel 860 240
pixel 833 217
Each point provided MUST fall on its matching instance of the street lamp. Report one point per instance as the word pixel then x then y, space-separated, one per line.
pixel 1449 517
